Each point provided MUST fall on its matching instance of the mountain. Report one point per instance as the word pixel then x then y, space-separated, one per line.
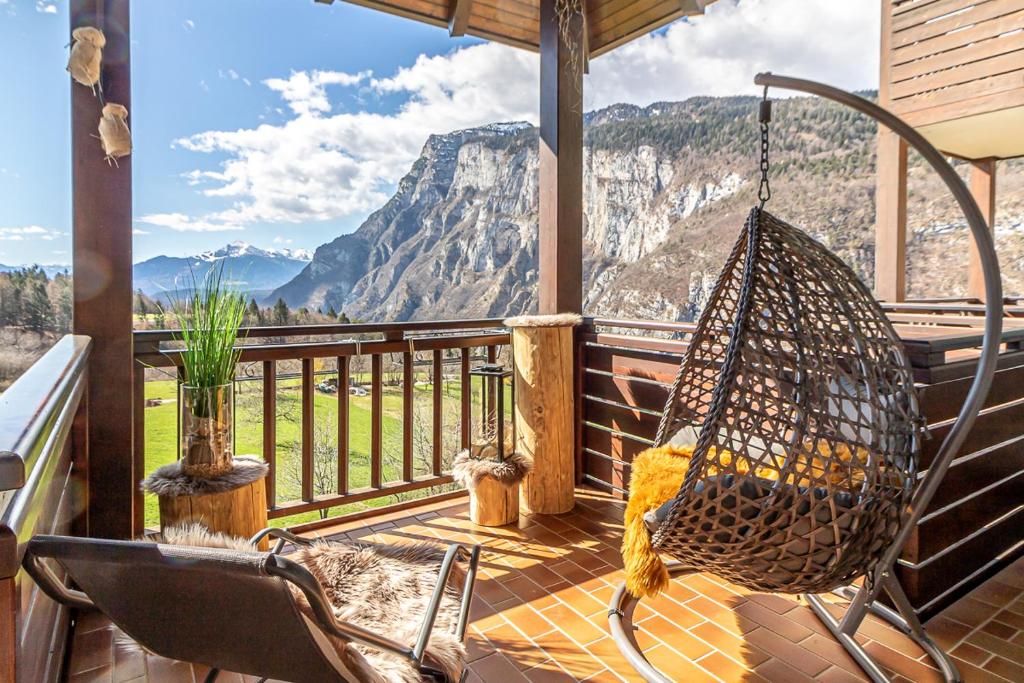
pixel 249 268
pixel 666 190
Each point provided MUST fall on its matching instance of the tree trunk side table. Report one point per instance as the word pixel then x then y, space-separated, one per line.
pixel 234 503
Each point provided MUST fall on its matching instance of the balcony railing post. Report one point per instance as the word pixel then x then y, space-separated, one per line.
pixel 270 429
pixel 343 418
pixel 307 429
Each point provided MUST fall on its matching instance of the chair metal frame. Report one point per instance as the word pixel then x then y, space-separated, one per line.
pixel 301 578
pixel 865 598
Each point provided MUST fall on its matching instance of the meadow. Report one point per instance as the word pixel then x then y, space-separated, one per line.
pixel 162 437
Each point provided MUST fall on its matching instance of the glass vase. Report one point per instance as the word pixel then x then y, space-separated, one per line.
pixel 207 426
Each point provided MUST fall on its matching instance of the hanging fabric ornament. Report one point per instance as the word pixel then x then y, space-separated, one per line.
pixel 86 54
pixel 114 133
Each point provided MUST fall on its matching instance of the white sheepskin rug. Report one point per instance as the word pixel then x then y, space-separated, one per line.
pixel 383 588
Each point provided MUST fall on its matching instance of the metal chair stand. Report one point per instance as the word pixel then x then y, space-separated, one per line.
pixel 865 599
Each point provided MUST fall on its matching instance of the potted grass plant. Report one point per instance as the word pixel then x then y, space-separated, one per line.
pixel 210 317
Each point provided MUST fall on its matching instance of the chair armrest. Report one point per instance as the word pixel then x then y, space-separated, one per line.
pixel 283 536
pixel 53 586
pixel 434 606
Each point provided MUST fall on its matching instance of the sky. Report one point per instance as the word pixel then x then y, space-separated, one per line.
pixel 284 123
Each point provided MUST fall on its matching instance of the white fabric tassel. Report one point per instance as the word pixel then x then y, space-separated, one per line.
pixel 86 55
pixel 114 133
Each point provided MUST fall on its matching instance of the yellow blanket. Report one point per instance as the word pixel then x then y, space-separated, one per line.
pixel 657 474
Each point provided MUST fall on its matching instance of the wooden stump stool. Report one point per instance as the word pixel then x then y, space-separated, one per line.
pixel 233 504
pixel 543 350
pixel 493 503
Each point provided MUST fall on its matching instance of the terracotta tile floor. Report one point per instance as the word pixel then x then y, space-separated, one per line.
pixel 540 615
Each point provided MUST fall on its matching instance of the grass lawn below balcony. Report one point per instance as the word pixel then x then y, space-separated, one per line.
pixel 162 437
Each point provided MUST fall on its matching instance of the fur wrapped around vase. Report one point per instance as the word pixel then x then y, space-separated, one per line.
pixel 493 484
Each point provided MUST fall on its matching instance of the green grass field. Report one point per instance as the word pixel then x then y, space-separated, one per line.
pixel 162 437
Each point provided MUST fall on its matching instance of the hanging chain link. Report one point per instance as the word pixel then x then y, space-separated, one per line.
pixel 764 192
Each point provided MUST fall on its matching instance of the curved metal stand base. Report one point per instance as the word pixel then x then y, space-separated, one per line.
pixel 938 656
pixel 622 604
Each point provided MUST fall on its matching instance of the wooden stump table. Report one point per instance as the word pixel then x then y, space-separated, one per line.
pixel 233 504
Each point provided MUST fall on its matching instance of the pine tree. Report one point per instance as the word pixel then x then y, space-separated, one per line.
pixel 281 313
pixel 344 319
pixel 253 314
pixel 331 313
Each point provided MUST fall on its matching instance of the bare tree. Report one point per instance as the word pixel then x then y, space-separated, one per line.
pixel 325 464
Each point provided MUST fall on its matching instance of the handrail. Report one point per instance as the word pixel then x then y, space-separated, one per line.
pixel 36 416
pixel 30 407
pixel 341 329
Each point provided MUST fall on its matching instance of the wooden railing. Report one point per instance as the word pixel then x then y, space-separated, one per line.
pixel 269 348
pixel 43 490
pixel 975 525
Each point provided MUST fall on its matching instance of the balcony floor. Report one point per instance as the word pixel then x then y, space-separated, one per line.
pixel 540 615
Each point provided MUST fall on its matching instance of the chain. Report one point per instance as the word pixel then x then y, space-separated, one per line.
pixel 764 192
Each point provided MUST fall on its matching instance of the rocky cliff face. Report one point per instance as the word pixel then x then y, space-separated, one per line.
pixel 666 191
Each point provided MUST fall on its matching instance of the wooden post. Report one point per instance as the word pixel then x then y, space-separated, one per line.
pixel 983 187
pixel 102 266
pixel 891 218
pixel 545 411
pixel 561 164
pixel 891 186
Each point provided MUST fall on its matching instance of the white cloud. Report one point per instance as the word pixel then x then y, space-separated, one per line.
pixel 179 222
pixel 282 240
pixel 20 234
pixel 137 231
pixel 46 7
pixel 306 92
pixel 721 52
pixel 228 73
pixel 327 164
pixel 204 86
pixel 188 24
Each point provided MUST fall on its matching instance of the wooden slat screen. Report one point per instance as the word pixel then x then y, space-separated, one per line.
pixel 955 52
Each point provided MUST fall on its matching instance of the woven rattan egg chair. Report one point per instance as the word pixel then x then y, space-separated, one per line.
pixel 800 401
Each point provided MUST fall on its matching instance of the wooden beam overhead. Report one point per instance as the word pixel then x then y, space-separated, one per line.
pixel 517 22
pixel 458 20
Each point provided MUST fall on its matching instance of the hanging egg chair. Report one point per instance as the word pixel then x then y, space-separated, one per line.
pixel 795 402
pixel 802 403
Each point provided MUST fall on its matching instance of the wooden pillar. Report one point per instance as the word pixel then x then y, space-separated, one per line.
pixel 983 187
pixel 891 218
pixel 542 348
pixel 891 186
pixel 102 269
pixel 561 163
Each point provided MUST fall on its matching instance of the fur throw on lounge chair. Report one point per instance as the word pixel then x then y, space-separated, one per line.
pixel 383 588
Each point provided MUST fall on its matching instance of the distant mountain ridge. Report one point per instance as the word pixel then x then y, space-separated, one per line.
pixel 666 190
pixel 251 269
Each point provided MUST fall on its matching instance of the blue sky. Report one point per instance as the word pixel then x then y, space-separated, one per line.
pixel 283 123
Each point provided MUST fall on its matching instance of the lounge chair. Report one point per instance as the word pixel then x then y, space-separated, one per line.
pixel 255 613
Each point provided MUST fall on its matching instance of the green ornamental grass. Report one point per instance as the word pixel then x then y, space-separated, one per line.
pixel 209 318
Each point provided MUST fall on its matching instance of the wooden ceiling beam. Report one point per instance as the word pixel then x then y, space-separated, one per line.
pixel 458 19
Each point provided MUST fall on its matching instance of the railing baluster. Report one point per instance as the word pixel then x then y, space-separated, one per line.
pixel 438 372
pixel 376 420
pixel 307 429
pixel 270 429
pixel 139 447
pixel 343 423
pixel 467 396
pixel 408 399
